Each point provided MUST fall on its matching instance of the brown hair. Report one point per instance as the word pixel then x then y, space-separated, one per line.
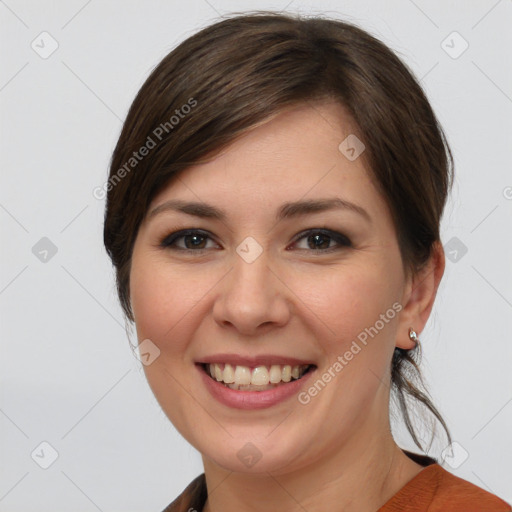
pixel 238 72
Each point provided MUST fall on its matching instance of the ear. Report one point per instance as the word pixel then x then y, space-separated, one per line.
pixel 419 295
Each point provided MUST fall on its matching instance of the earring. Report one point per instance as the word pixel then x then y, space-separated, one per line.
pixel 413 336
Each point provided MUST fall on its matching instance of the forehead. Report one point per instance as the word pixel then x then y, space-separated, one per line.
pixel 295 154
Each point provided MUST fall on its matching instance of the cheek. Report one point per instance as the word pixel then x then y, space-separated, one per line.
pixel 169 302
pixel 163 306
pixel 161 297
pixel 355 309
pixel 348 301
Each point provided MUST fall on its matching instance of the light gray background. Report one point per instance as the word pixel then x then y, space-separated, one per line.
pixel 68 376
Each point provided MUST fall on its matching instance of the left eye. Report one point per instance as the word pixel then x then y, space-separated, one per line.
pixel 321 240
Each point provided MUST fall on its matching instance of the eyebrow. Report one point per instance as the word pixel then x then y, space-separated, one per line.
pixel 286 211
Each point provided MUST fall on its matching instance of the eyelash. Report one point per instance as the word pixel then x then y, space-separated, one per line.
pixel 169 241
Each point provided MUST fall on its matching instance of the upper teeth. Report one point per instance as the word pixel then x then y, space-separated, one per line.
pixel 259 376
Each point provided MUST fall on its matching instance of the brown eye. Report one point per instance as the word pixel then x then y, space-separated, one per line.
pixel 194 241
pixel 188 240
pixel 322 240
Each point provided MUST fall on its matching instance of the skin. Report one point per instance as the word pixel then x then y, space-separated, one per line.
pixel 336 452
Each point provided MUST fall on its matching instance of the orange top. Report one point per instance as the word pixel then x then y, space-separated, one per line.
pixel 432 490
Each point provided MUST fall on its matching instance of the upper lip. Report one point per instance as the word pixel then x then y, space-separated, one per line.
pixel 253 361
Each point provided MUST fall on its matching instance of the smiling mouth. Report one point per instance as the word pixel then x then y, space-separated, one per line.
pixel 258 378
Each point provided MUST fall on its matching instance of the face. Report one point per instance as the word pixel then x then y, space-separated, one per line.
pixel 277 253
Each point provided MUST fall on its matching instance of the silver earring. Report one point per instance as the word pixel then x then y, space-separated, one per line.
pixel 413 336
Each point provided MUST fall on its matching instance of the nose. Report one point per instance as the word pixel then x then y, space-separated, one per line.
pixel 252 299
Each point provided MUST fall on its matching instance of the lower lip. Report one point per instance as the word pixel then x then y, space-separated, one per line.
pixel 253 399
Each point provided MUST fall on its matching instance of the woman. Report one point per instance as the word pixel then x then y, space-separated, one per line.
pixel 273 216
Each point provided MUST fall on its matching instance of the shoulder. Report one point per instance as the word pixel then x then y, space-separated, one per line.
pixel 192 498
pixel 436 490
pixel 463 495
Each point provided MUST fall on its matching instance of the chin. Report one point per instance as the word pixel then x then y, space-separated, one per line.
pixel 249 459
pixel 252 454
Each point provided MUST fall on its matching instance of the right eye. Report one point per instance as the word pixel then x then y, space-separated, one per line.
pixel 187 240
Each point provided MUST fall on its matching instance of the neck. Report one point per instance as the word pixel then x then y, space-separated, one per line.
pixel 360 476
